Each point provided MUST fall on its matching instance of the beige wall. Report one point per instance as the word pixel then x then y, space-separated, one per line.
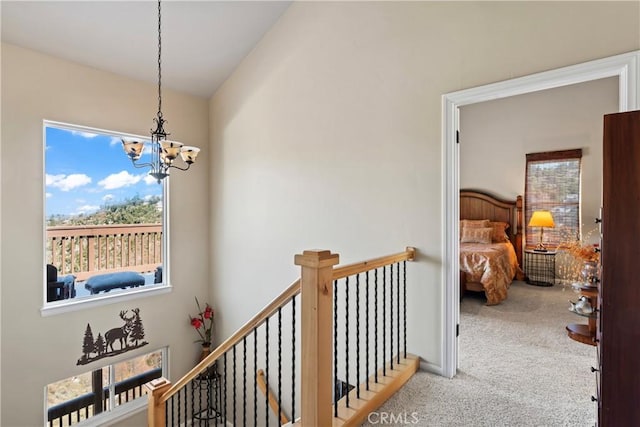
pixel 329 134
pixel 496 135
pixel 38 350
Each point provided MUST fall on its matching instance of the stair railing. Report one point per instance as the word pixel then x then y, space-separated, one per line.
pixel 370 359
pixel 209 392
pixel 216 378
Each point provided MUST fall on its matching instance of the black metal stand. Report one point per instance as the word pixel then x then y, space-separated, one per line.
pixel 208 398
pixel 540 267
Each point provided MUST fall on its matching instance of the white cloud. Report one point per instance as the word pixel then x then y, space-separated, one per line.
pixel 115 141
pixel 49 179
pixel 47 195
pixel 107 197
pixel 148 179
pixel 86 209
pixel 84 134
pixel 67 182
pixel 119 180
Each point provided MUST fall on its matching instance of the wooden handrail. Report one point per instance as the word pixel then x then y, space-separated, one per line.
pixel 257 320
pixel 272 308
pixel 273 403
pixel 64 231
pixel 360 267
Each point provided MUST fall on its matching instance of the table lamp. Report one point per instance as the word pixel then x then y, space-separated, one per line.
pixel 541 219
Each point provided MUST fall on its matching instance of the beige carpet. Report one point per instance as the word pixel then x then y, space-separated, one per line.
pixel 517 367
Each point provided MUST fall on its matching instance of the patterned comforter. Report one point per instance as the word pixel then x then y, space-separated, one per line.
pixel 494 265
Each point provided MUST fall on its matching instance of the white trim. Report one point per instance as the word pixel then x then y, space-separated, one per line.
pixel 430 367
pixel 119 413
pixel 626 67
pixel 450 202
pixel 76 304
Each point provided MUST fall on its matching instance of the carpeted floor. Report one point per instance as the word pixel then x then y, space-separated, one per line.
pixel 517 367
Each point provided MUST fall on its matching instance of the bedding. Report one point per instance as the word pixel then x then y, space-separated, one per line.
pixel 481 268
pixel 494 265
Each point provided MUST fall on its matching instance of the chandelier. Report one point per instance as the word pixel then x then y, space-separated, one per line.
pixel 163 151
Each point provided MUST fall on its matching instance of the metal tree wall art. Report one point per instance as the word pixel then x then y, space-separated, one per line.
pixel 129 336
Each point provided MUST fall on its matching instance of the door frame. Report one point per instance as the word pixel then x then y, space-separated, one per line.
pixel 625 66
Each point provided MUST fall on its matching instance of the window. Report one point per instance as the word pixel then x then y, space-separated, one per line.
pixel 105 220
pixel 120 385
pixel 553 184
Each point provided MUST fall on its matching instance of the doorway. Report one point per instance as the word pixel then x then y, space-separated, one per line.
pixel 626 67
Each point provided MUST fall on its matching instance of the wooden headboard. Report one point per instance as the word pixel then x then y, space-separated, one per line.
pixel 476 204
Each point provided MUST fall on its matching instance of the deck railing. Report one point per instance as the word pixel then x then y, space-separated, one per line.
pixel 332 385
pixel 85 406
pixel 86 250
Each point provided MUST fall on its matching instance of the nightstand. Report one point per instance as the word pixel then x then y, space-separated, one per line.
pixel 540 267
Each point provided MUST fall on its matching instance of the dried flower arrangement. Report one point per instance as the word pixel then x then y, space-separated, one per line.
pixel 574 254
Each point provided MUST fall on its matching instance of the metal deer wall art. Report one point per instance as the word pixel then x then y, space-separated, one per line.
pixel 129 336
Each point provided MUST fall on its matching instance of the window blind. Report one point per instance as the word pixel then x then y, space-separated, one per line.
pixel 553 184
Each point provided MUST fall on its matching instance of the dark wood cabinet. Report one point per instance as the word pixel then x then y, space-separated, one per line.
pixel 618 334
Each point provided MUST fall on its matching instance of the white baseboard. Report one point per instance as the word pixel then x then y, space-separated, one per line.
pixel 430 367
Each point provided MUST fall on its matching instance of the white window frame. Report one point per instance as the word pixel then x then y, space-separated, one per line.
pixel 101 299
pixel 124 410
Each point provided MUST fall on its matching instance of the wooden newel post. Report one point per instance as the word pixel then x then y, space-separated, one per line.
pixel 316 289
pixel 156 413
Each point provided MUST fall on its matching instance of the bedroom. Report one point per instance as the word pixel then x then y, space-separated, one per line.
pixel 495 137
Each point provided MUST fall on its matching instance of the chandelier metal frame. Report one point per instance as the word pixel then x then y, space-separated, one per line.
pixel 163 151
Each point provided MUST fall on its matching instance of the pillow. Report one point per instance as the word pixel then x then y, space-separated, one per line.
pixel 473 223
pixel 476 235
pixel 499 234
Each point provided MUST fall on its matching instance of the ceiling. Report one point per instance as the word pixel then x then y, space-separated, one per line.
pixel 202 41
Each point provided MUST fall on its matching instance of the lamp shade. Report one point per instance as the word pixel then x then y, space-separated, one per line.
pixel 541 219
pixel 133 147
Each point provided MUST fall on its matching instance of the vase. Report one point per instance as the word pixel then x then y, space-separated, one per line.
pixel 589 273
pixel 205 351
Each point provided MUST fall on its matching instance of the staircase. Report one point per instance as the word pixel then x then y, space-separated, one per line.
pixel 327 351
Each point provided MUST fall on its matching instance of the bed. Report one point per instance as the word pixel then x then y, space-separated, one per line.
pixel 490 244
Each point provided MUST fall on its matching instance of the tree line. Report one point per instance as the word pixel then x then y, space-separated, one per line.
pixel 134 210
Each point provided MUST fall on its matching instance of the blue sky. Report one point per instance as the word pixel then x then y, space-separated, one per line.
pixel 84 171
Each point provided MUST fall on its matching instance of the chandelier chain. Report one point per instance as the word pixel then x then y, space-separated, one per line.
pixel 159 61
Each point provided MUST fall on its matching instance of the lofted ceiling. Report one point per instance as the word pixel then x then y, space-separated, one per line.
pixel 202 41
